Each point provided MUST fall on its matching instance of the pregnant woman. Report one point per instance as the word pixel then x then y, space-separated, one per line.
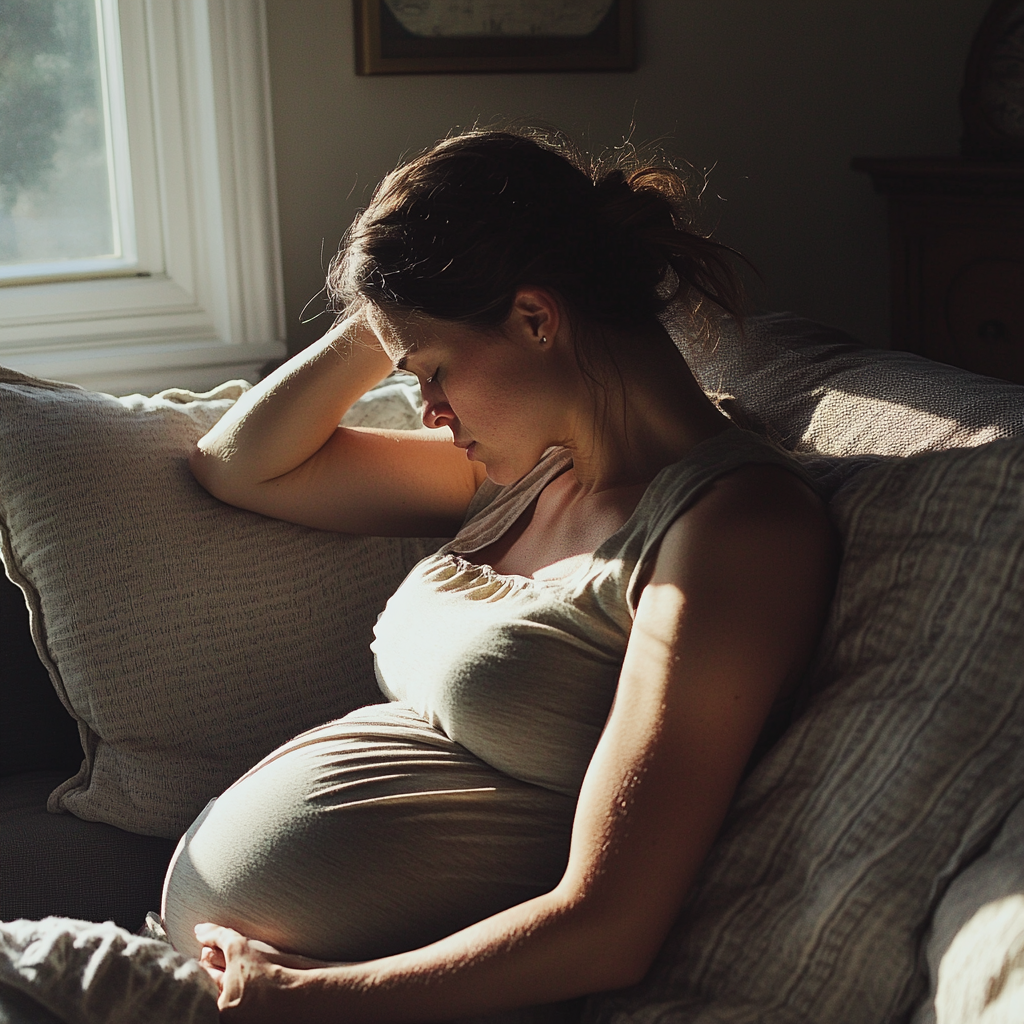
pixel 573 685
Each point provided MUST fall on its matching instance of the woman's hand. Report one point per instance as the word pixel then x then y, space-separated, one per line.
pixel 253 978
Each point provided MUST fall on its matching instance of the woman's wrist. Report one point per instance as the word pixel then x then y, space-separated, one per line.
pixel 311 994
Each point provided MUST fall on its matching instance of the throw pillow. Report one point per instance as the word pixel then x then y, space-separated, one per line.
pixel 187 637
pixel 906 761
pixel 815 389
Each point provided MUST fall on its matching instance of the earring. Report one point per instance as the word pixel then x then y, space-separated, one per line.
pixel 544 340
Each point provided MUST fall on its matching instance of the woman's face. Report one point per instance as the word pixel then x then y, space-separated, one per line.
pixel 497 394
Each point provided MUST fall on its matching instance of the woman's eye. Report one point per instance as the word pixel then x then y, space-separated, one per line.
pixel 434 378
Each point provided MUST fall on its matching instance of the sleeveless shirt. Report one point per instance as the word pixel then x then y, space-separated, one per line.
pixel 522 671
pixel 404 822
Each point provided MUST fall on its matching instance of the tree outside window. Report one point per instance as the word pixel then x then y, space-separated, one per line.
pixel 56 178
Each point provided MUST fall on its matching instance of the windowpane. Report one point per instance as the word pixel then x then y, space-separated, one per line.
pixel 58 196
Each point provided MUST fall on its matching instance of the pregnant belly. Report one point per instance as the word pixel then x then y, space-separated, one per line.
pixel 365 837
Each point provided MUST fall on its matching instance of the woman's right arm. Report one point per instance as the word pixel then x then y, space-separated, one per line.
pixel 279 450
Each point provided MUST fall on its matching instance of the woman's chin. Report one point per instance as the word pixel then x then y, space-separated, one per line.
pixel 496 476
pixel 503 473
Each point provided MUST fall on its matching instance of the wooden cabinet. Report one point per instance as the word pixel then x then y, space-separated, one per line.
pixel 956 248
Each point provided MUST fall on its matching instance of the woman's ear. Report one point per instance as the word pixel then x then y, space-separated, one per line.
pixel 536 317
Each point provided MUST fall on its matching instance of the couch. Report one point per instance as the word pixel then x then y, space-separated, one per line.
pixel 155 643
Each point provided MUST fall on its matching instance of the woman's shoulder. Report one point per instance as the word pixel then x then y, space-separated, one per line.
pixel 759 527
pixel 734 490
pixel 724 452
pixel 732 454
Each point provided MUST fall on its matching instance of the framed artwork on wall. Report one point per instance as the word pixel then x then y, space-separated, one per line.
pixel 437 36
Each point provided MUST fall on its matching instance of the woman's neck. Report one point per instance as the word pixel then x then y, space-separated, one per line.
pixel 645 416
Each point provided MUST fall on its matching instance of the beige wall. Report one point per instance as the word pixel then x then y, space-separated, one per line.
pixel 775 95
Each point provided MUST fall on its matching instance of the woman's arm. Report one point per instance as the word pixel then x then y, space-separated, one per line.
pixel 279 449
pixel 728 619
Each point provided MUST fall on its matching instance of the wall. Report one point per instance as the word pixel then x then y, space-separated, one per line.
pixel 773 97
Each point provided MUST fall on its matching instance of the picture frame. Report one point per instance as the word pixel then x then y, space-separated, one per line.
pixel 387 46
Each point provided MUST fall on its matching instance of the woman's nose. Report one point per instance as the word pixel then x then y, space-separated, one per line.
pixel 436 410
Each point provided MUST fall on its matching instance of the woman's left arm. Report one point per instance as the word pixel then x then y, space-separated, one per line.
pixel 727 620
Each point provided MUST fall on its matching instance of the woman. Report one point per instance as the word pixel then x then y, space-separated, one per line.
pixel 577 681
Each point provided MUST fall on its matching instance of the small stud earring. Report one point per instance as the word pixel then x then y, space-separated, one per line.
pixel 544 339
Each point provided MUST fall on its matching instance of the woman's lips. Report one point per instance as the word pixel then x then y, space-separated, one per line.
pixel 467 447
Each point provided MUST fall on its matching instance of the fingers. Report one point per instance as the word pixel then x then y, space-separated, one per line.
pixel 232 942
pixel 220 947
pixel 212 957
pixel 216 935
pixel 216 975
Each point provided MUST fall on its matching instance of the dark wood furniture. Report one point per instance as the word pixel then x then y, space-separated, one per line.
pixel 956 247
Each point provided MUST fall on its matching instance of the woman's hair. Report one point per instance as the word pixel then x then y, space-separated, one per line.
pixel 456 231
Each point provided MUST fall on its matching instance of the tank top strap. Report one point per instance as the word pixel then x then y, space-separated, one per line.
pixel 495 508
pixel 626 556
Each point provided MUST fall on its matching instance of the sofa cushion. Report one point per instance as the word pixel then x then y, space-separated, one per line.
pixel 188 638
pixel 815 389
pixel 36 732
pixel 57 864
pixel 905 762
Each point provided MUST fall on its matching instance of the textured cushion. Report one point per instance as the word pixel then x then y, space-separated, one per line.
pixel 187 637
pixel 18 1008
pixel 905 762
pixel 815 389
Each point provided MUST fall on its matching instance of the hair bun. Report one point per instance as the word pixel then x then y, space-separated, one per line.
pixel 611 186
pixel 627 204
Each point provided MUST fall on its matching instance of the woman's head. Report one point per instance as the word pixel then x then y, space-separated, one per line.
pixel 456 232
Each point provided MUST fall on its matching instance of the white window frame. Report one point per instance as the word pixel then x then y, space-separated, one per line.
pixel 211 306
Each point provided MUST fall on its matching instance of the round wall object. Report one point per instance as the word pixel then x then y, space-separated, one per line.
pixel 992 100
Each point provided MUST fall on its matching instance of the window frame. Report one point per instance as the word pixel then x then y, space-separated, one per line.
pixel 206 303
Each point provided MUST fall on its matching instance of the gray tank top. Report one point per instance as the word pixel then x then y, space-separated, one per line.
pixel 404 822
pixel 519 671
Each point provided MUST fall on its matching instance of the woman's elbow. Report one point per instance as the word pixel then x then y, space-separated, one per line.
pixel 625 967
pixel 209 471
pixel 617 953
pixel 614 966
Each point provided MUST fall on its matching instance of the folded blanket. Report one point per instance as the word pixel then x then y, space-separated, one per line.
pixel 87 973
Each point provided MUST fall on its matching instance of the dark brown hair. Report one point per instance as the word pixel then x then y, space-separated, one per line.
pixel 456 231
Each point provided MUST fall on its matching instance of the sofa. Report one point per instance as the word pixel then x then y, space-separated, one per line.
pixel 155 643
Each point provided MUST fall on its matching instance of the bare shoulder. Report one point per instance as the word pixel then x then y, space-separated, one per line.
pixel 757 513
pixel 754 562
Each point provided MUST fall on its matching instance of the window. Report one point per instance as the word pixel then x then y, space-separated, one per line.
pixel 156 163
pixel 65 179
